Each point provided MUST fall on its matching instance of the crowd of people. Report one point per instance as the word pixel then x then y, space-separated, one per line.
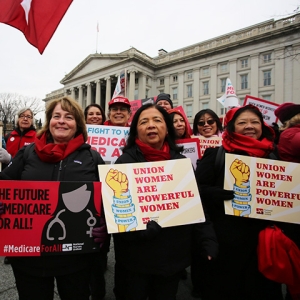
pixel 222 251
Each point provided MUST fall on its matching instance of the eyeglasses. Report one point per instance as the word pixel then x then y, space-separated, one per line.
pixel 209 122
pixel 116 108
pixel 23 117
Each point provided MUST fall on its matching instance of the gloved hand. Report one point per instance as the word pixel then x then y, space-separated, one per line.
pixel 217 193
pixel 100 233
pixel 152 230
pixel 5 157
pixel 1 208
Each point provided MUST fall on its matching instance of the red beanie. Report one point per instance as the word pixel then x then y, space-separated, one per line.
pixel 286 111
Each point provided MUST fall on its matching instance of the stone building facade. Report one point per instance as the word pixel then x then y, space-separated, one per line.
pixel 262 60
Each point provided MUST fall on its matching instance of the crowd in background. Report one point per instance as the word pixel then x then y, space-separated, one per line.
pixel 149 264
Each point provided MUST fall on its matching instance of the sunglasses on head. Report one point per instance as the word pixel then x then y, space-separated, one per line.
pixel 209 122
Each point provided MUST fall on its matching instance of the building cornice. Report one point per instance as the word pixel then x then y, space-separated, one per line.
pixel 261 31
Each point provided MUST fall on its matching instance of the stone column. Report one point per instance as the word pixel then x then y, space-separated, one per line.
pixel 254 75
pixel 131 85
pixel 278 73
pixel 108 90
pixel 213 88
pixel 98 91
pixel 292 94
pixel 167 84
pixel 232 73
pixel 89 94
pixel 73 93
pixel 180 94
pixel 196 96
pixel 80 95
pixel 142 86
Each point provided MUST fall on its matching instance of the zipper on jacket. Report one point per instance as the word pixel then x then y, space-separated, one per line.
pixel 59 170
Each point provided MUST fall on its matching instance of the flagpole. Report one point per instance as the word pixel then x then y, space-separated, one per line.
pixel 97 37
pixel 125 83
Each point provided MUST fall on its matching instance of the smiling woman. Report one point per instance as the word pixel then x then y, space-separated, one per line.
pixel 24 132
pixel 59 153
pixel 207 124
pixel 245 134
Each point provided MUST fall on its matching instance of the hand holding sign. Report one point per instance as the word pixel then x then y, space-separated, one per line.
pixel 100 233
pixel 118 182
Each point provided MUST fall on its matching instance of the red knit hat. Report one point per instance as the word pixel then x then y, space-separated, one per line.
pixel 230 114
pixel 119 99
pixel 286 111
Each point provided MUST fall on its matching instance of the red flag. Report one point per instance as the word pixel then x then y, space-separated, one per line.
pixel 37 19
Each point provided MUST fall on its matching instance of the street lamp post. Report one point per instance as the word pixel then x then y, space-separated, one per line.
pixel 4 124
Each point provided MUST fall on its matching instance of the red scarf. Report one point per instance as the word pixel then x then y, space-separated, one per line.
pixel 152 154
pixel 236 142
pixel 52 153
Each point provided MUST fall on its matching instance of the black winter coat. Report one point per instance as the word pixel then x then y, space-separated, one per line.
pixel 235 274
pixel 170 250
pixel 78 166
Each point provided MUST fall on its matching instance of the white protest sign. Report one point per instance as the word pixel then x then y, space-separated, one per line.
pixel 107 140
pixel 134 194
pixel 267 108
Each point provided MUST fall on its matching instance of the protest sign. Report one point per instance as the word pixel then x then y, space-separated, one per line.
pixel 263 188
pixel 48 217
pixel 191 149
pixel 134 194
pixel 107 140
pixel 267 108
pixel 136 104
pixel 212 142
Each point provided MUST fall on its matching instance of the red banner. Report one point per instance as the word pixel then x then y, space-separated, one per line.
pixel 48 217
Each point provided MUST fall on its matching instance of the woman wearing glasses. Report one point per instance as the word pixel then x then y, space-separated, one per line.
pixel 207 124
pixel 119 112
pixel 24 133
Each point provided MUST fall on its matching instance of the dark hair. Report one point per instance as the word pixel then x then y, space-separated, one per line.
pixel 94 105
pixel 202 113
pixel 171 136
pixel 172 115
pixel 267 132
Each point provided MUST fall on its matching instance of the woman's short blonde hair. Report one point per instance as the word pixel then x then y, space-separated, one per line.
pixel 295 120
pixel 70 105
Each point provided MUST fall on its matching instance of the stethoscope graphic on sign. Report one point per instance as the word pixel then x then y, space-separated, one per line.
pixel 75 207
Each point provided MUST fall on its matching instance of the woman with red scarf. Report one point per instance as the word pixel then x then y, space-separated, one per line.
pixel 59 153
pixel 234 274
pixel 149 262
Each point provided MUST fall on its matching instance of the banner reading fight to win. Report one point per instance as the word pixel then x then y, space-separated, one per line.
pixel 48 217
pixel 107 140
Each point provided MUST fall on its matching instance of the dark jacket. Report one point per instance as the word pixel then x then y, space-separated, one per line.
pixel 18 139
pixel 236 274
pixel 169 251
pixel 78 166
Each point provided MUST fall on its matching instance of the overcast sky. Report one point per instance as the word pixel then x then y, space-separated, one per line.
pixel 146 25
